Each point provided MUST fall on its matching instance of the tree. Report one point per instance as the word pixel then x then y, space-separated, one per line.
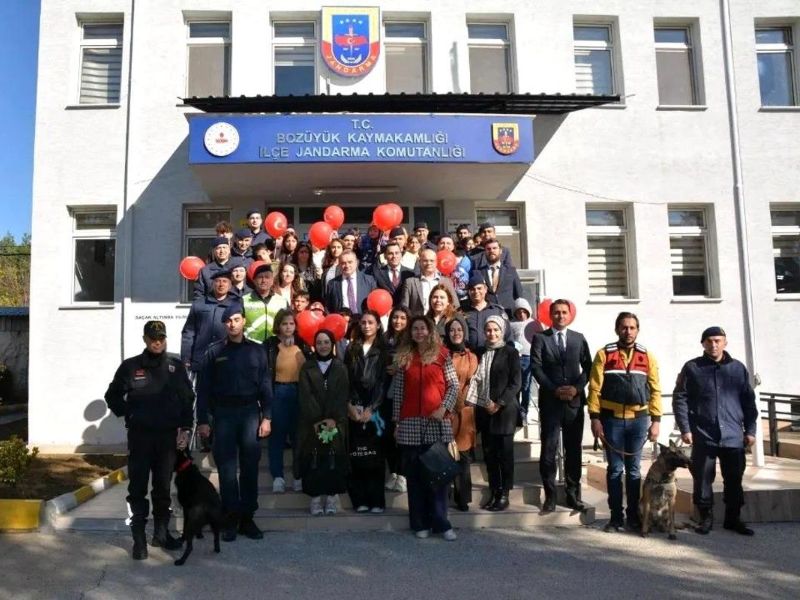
pixel 15 267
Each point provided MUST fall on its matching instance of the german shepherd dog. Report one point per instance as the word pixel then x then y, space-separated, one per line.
pixel 200 501
pixel 657 504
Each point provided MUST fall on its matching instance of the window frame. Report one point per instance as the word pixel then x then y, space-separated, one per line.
pixel 626 233
pixel 296 42
pixel 690 47
pixel 693 231
pixel 782 231
pixel 494 43
pixel 95 233
pixel 423 43
pixel 187 233
pixel 612 46
pixel 102 43
pixel 210 42
pixel 790 49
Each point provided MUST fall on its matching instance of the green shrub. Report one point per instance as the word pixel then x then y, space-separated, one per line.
pixel 15 459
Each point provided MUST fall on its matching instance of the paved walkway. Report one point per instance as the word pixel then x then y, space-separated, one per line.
pixel 484 565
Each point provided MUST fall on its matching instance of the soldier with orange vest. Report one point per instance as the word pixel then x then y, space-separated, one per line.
pixel 624 405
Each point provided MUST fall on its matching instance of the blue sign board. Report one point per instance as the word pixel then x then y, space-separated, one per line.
pixel 237 139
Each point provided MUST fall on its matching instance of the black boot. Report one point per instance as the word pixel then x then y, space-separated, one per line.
pixel 162 537
pixel 492 500
pixel 249 529
pixel 706 520
pixel 734 523
pixel 502 502
pixel 139 541
pixel 549 504
pixel 230 528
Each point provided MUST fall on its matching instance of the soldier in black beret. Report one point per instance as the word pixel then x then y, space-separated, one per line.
pixel 153 393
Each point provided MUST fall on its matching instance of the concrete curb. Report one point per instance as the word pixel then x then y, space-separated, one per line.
pixel 20 515
pixel 64 503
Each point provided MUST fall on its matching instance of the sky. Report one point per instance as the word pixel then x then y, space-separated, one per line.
pixel 19 42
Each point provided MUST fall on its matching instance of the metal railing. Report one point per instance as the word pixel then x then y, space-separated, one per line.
pixel 780 407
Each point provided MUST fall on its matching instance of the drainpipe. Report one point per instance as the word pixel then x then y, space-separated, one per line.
pixel 741 221
pixel 127 214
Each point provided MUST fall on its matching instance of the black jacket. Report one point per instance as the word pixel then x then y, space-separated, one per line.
pixel 715 402
pixel 476 320
pixel 152 392
pixel 384 280
pixel 505 380
pixel 367 374
pixel 552 369
pixel 508 290
pixel 203 327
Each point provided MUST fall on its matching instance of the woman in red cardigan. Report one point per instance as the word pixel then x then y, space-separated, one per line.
pixel 425 392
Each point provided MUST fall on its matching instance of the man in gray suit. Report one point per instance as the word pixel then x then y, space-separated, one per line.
pixel 561 362
pixel 416 290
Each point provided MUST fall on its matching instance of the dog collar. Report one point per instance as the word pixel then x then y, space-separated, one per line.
pixel 184 465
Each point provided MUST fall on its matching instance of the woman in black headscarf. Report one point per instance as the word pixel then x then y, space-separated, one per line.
pixel 322 426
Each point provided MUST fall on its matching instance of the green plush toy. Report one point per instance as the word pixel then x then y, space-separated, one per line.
pixel 327 434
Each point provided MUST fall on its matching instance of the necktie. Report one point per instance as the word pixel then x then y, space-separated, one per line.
pixel 351 295
pixel 495 278
pixel 395 278
pixel 562 346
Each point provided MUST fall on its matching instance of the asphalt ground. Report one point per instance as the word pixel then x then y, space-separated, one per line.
pixel 577 562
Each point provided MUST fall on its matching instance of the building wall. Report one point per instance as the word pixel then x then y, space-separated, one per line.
pixel 632 154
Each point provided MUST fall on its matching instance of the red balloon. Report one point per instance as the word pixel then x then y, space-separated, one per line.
pixel 398 213
pixel 380 301
pixel 334 216
pixel 253 266
pixel 276 224
pixel 308 323
pixel 543 312
pixel 446 262
pixel 190 267
pixel 572 312
pixel 384 216
pixel 336 324
pixel 320 234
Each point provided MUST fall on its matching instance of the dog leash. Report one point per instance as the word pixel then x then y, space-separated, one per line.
pixel 609 446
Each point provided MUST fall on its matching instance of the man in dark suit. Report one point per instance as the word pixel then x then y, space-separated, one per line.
pixel 416 290
pixel 561 363
pixel 392 275
pixel 349 289
pixel 502 281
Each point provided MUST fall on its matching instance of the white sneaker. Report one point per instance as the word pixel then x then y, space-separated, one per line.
pixel 376 510
pixel 316 506
pixel 278 485
pixel 362 509
pixel 330 505
pixel 450 535
pixel 391 482
pixel 297 485
pixel 400 485
pixel 423 533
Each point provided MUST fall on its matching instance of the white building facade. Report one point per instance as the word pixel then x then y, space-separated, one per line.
pixel 680 202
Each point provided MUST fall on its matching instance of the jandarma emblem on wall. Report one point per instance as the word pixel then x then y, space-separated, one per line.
pixel 221 139
pixel 505 137
pixel 351 39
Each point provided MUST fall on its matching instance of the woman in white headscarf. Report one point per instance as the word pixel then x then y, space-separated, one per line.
pixel 497 385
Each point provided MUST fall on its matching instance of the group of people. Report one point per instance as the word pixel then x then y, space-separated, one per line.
pixel 360 410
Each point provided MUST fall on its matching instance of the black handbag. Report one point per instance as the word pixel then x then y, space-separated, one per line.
pixel 439 468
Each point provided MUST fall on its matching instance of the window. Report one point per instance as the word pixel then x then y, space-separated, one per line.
pixel 489 58
pixel 406 50
pixel 101 63
pixel 775 51
pixel 607 233
pixel 199 234
pixel 594 59
pixel 208 72
pixel 93 232
pixel 688 248
pixel 786 248
pixel 675 66
pixel 295 52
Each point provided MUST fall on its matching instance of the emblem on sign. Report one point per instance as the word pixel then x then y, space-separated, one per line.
pixel 221 139
pixel 505 137
pixel 351 39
